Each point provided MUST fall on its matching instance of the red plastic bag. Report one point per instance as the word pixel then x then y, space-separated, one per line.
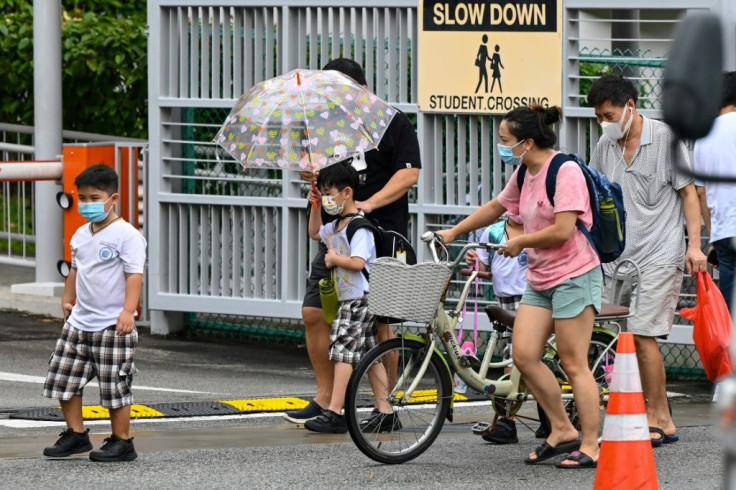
pixel 712 328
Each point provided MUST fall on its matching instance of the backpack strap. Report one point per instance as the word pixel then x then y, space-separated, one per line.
pixel 551 186
pixel 554 169
pixel 360 221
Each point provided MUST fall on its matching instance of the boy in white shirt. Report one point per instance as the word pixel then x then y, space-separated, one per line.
pixel 354 329
pixel 99 336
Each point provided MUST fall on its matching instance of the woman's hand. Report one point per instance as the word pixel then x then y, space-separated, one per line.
pixel 447 236
pixel 513 247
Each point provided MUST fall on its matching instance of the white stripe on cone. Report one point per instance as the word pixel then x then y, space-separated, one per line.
pixel 625 427
pixel 625 375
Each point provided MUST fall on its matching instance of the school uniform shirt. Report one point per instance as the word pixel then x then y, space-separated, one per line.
pixel 509 273
pixel 102 260
pixel 548 267
pixel 349 284
pixel 655 221
pixel 716 155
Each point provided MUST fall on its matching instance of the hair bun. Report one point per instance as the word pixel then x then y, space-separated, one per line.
pixel 551 115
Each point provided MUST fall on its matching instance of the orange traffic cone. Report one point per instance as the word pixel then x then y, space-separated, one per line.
pixel 626 459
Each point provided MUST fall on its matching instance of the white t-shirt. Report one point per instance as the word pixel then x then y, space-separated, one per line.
pixel 509 273
pixel 716 155
pixel 349 284
pixel 102 260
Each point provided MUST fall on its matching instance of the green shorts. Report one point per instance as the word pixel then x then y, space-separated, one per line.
pixel 569 298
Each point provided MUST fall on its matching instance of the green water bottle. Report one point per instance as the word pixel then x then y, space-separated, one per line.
pixel 608 210
pixel 328 297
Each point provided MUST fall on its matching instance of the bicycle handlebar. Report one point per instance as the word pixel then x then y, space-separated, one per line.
pixel 434 241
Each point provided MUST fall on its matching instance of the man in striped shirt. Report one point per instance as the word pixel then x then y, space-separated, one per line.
pixel 660 201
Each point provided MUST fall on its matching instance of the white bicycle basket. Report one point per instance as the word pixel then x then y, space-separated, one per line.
pixel 407 292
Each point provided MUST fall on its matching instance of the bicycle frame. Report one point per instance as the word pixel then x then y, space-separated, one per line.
pixel 445 327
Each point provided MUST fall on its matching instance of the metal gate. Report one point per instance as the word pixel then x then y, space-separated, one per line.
pixel 233 243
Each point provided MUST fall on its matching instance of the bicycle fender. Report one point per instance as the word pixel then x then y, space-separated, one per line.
pixel 422 340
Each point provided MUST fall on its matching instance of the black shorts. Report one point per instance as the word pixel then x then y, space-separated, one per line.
pixel 317 271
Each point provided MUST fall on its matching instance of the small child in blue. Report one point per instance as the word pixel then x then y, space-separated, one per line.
pixel 354 330
pixel 99 336
pixel 509 283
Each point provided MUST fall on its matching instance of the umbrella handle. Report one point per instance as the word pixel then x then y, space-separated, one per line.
pixel 314 189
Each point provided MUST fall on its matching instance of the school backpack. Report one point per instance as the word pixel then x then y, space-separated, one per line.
pixel 608 233
pixel 389 243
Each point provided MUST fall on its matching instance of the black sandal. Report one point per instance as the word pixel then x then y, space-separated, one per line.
pixel 544 451
pixel 582 459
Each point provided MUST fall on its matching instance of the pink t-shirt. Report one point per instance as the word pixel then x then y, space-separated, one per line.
pixel 549 267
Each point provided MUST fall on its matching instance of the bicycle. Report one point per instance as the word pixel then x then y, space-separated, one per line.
pixel 422 395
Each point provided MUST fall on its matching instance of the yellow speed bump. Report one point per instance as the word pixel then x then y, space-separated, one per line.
pixel 267 404
pixel 95 412
pixel 427 396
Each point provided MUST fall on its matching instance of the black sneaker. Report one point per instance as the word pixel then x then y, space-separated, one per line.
pixel 307 413
pixel 329 422
pixel 69 443
pixel 380 422
pixel 503 433
pixel 114 449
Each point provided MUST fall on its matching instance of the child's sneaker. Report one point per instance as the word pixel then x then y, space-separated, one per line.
pixel 69 443
pixel 329 422
pixel 380 422
pixel 503 433
pixel 307 413
pixel 114 449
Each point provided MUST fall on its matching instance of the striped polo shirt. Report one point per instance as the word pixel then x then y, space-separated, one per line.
pixel 655 222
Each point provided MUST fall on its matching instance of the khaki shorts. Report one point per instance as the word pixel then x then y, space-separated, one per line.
pixel 660 291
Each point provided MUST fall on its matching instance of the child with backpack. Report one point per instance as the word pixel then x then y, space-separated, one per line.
pixel 509 282
pixel 354 330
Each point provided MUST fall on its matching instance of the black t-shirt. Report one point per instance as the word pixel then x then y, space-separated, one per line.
pixel 397 150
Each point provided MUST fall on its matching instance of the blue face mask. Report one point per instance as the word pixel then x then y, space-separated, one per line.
pixel 93 212
pixel 507 154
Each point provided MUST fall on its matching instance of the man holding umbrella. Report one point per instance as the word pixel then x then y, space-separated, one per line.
pixel 386 175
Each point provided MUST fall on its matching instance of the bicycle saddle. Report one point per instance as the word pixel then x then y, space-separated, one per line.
pixel 613 311
pixel 499 316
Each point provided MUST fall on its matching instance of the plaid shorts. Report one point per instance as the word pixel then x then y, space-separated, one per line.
pixel 509 302
pixel 353 332
pixel 79 356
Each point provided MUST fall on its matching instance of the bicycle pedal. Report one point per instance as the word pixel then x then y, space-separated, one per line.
pixel 470 361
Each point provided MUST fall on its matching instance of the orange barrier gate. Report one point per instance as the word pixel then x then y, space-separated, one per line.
pixel 77 158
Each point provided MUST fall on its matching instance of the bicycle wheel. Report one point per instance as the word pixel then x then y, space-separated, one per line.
pixel 417 421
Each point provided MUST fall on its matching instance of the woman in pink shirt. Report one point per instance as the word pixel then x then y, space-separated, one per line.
pixel 564 278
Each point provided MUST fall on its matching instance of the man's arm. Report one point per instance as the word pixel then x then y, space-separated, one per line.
pixel 694 260
pixel 397 186
pixel 704 210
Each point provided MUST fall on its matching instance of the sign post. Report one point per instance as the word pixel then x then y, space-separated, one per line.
pixel 488 57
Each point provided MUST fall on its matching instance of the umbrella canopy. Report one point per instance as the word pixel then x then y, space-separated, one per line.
pixel 305 120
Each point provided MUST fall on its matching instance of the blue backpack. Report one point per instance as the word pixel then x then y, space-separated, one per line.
pixel 608 233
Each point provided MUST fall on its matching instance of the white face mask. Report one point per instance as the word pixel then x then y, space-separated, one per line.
pixel 616 131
